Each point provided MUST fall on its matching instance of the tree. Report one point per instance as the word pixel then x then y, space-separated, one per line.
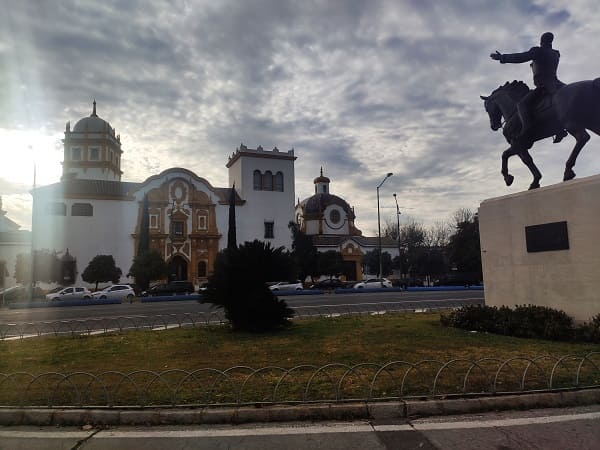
pixel 101 269
pixel 370 261
pixel 304 252
pixel 144 240
pixel 231 232
pixel 47 267
pixel 147 266
pixel 412 240
pixel 464 249
pixel 330 263
pixel 238 286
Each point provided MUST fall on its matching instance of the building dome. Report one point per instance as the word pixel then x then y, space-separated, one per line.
pixel 318 203
pixel 92 124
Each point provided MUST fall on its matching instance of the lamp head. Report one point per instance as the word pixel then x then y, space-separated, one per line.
pixel 389 174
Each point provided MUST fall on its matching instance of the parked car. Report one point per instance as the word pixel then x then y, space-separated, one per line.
pixel 70 293
pixel 329 284
pixel 287 286
pixel 116 291
pixel 172 288
pixel 19 293
pixel 373 283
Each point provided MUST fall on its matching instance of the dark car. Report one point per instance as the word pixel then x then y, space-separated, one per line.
pixel 328 284
pixel 172 288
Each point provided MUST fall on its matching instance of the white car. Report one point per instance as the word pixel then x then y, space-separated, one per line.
pixel 287 286
pixel 118 291
pixel 70 293
pixel 373 283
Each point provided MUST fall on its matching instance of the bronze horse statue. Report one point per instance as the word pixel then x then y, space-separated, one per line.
pixel 574 107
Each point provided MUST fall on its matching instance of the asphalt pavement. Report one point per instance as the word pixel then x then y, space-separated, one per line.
pixel 547 429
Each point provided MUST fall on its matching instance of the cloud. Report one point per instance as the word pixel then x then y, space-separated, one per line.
pixel 358 87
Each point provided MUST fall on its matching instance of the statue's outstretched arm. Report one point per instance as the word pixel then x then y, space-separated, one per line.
pixel 518 58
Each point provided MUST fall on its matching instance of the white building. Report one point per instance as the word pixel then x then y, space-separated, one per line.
pixel 12 242
pixel 91 211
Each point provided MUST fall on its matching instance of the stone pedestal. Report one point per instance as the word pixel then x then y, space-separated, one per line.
pixel 542 247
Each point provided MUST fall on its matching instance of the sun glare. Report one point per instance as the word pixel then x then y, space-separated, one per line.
pixel 21 150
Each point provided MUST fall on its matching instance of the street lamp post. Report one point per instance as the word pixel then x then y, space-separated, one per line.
pixel 379 224
pixel 398 228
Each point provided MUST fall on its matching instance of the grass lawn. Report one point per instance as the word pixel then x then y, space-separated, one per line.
pixel 349 340
pixel 179 355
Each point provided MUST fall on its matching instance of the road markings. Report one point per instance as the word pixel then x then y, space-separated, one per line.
pixel 424 426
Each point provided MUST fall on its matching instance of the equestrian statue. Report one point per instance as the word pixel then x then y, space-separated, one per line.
pixel 551 109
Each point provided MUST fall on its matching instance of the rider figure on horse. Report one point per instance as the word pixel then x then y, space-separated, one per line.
pixel 544 63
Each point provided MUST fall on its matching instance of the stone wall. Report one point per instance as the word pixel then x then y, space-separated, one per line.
pixel 558 263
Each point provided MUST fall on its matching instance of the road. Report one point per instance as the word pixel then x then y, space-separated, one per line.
pixel 364 300
pixel 568 428
pixel 27 323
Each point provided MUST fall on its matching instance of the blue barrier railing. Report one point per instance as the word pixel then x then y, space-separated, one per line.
pixel 172 298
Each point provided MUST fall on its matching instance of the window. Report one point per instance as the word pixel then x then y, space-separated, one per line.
pixel 268 181
pixel 82 209
pixel 334 216
pixel 57 209
pixel 94 154
pixel 269 228
pixel 203 220
pixel 76 154
pixel 257 180
pixel 278 182
pixel 202 269
pixel 153 221
pixel 177 228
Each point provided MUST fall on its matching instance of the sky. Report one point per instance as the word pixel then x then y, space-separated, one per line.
pixel 360 88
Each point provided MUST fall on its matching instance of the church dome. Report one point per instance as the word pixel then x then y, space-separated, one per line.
pixel 92 124
pixel 318 203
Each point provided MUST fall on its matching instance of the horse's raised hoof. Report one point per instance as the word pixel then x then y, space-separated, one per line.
pixel 569 175
pixel 534 185
pixel 508 179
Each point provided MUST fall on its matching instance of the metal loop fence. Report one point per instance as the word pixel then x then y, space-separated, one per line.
pixel 301 384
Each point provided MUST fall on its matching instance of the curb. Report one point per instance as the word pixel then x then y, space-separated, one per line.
pixel 282 413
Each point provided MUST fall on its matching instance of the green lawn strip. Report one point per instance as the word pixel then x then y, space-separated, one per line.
pixel 318 342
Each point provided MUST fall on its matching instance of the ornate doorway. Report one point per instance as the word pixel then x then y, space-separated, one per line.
pixel 178 269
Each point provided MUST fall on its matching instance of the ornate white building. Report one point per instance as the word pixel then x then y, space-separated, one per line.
pixel 91 211
pixel 329 220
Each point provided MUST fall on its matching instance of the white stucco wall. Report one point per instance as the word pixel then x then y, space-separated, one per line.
pixel 263 206
pixel 107 232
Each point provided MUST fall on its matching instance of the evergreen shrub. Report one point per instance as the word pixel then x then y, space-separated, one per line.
pixel 526 321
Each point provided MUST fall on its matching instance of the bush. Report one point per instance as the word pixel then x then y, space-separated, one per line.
pixel 527 321
pixel 589 332
pixel 238 286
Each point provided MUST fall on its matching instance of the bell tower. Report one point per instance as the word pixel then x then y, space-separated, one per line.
pixel 92 150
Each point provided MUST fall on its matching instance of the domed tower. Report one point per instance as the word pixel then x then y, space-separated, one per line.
pixel 92 150
pixel 325 213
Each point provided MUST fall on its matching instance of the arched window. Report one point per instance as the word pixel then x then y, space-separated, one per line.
pixel 202 269
pixel 268 181
pixel 257 180
pixel 82 209
pixel 278 182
